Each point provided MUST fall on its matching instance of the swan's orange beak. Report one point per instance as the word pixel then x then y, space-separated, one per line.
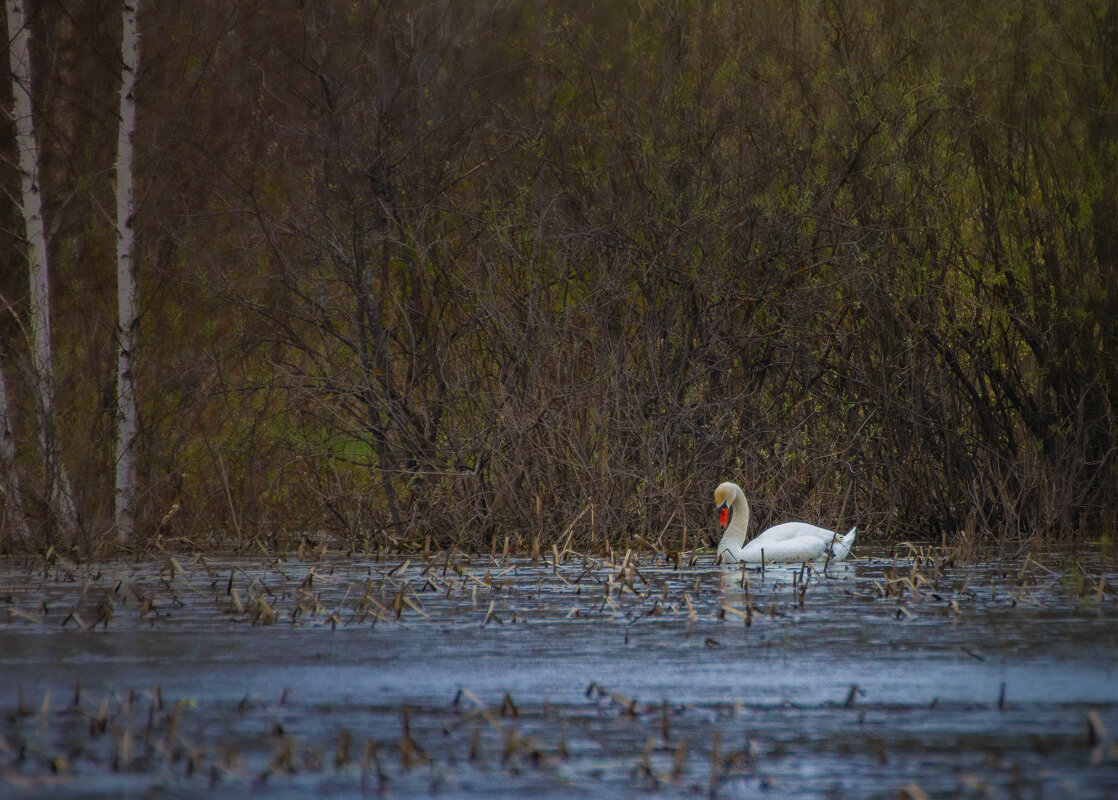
pixel 723 517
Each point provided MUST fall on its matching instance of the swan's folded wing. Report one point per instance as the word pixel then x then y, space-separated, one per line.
pixel 794 530
pixel 791 548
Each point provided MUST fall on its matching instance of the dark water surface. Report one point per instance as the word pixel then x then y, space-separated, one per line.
pixel 458 677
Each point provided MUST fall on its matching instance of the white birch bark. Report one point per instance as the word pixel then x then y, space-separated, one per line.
pixel 19 56
pixel 126 417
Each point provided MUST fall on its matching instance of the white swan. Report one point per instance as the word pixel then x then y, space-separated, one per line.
pixel 789 541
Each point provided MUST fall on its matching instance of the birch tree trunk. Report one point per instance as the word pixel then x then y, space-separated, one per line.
pixel 19 55
pixel 127 425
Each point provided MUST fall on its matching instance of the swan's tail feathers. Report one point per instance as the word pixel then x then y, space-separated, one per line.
pixel 841 547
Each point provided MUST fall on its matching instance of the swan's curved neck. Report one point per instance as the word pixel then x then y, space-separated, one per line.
pixel 738 529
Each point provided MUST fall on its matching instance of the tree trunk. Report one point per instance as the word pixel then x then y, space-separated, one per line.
pixel 19 53
pixel 13 495
pixel 126 282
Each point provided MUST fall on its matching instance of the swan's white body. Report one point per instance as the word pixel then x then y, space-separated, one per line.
pixel 789 541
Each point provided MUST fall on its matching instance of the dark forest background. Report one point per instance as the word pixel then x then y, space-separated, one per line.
pixel 470 270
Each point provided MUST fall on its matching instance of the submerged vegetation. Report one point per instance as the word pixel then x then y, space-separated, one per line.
pixel 465 271
pixel 557 675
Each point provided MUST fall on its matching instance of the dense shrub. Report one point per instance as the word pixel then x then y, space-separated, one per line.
pixel 469 270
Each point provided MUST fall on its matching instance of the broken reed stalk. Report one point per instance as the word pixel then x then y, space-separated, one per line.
pixel 570 530
pixel 851 696
pixel 372 756
pixel 1096 731
pixel 715 762
pixel 841 517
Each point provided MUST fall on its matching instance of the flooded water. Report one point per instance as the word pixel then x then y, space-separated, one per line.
pixel 479 678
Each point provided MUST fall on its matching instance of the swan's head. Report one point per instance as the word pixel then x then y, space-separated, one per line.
pixel 724 498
